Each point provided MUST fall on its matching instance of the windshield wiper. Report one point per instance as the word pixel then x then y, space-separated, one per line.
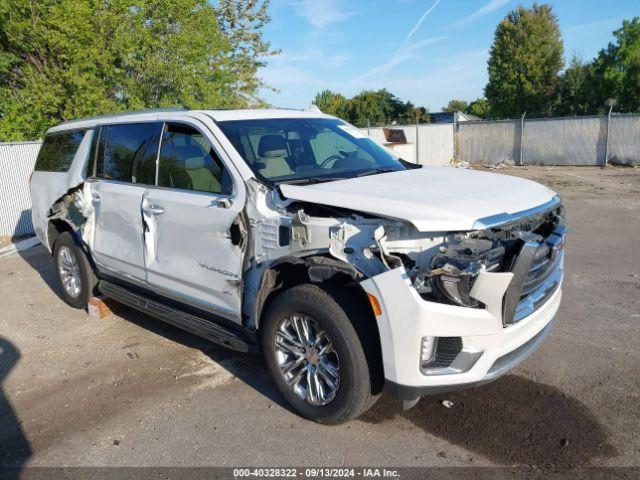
pixel 376 171
pixel 307 180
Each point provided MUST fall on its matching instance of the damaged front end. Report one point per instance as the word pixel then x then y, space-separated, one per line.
pixel 442 267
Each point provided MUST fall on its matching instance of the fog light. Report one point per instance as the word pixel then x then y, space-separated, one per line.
pixel 428 350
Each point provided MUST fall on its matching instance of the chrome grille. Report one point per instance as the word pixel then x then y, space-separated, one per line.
pixel 537 273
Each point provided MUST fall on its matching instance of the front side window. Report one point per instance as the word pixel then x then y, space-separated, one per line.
pixel 188 162
pixel 58 150
pixel 302 149
pixel 128 152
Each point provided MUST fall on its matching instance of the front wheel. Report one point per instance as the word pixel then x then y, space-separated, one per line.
pixel 316 356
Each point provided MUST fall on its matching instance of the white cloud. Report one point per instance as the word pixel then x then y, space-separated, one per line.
pixel 611 22
pixel 487 8
pixel 461 76
pixel 408 53
pixel 322 13
pixel 405 51
pixel 337 61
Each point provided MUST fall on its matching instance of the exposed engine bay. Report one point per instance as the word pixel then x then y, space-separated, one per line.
pixel 441 266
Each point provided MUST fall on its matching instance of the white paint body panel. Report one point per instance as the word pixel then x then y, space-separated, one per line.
pixel 433 199
pixel 118 243
pixel 47 187
pixel 406 318
pixel 193 256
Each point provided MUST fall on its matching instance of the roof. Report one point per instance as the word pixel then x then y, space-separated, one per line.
pixel 448 117
pixel 217 115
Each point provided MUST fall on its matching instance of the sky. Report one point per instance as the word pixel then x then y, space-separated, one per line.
pixel 425 51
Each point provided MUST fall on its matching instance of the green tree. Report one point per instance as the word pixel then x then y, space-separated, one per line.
pixel 480 107
pixel 575 94
pixel 524 61
pixel 377 107
pixel 370 107
pixel 416 114
pixel 332 103
pixel 62 59
pixel 456 106
pixel 617 70
pixel 242 22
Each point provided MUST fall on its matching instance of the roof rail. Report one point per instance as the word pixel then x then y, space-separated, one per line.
pixel 132 112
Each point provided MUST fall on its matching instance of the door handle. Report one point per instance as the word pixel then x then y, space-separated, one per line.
pixel 95 197
pixel 224 202
pixel 153 210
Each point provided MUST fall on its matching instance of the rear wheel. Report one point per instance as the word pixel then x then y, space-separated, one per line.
pixel 75 275
pixel 316 357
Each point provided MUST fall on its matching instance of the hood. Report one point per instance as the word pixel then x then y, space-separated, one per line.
pixel 433 199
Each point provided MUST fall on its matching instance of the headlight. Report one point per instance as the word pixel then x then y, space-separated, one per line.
pixel 457 288
pixel 453 272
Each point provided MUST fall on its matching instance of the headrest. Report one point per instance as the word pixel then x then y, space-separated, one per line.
pixel 272 146
pixel 194 163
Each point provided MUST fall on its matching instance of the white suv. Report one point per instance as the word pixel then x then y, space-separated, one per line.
pixel 292 233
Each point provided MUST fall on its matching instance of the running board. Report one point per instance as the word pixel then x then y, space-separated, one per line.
pixel 191 323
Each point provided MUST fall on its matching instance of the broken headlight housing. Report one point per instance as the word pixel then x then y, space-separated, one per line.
pixel 454 269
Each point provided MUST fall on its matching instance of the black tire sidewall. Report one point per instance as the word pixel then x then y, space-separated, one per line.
pixel 86 273
pixel 353 392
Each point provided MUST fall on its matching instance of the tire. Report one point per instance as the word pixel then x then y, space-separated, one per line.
pixel 327 314
pixel 76 279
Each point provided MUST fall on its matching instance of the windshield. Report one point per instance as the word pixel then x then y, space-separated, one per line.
pixel 305 150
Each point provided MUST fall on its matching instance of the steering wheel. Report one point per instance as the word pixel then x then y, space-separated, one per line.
pixel 332 158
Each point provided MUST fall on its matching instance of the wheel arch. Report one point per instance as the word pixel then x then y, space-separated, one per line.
pixel 57 227
pixel 338 279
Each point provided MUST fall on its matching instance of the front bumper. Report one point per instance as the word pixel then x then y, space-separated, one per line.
pixel 492 347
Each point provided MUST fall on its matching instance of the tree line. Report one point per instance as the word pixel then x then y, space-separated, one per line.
pixel 527 73
pixel 63 59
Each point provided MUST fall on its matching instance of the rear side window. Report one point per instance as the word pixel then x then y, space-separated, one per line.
pixel 188 161
pixel 58 150
pixel 128 152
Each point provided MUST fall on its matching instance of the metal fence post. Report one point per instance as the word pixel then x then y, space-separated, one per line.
pixel 521 157
pixel 606 142
pixel 456 156
pixel 417 142
pixel 368 127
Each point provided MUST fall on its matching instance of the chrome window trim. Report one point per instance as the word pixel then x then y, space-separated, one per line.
pixel 502 218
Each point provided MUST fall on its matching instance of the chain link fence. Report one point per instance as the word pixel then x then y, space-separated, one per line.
pixel 484 143
pixel 624 139
pixel 16 164
pixel 589 140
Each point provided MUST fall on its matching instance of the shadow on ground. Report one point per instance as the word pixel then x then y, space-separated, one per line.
pixel 14 446
pixel 510 421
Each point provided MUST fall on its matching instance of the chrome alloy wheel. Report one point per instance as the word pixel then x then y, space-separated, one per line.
pixel 69 272
pixel 307 360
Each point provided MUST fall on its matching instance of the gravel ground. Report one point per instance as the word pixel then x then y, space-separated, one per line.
pixel 130 391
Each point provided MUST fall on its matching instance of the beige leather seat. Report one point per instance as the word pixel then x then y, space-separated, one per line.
pixel 201 177
pixel 272 152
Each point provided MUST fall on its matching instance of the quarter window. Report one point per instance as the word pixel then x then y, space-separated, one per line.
pixel 128 152
pixel 58 150
pixel 188 161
